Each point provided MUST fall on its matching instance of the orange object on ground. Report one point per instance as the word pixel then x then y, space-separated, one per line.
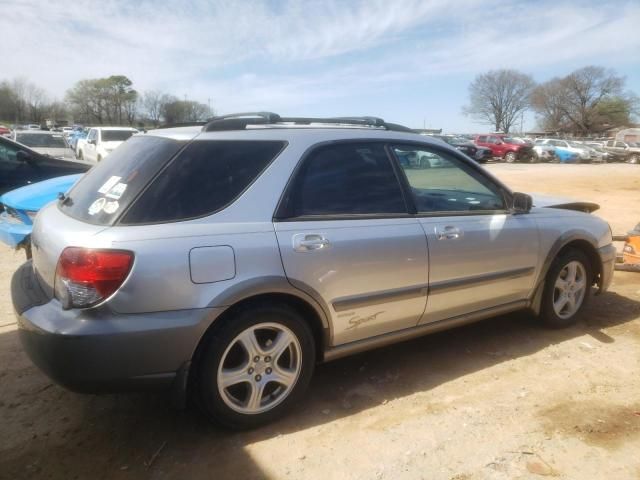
pixel 631 251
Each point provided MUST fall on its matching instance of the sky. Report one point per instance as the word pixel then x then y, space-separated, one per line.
pixel 407 61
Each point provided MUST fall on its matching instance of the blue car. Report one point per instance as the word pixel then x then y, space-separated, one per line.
pixel 22 205
pixel 565 156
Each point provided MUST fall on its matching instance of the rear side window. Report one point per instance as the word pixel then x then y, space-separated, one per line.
pixel 345 179
pixel 108 188
pixel 205 177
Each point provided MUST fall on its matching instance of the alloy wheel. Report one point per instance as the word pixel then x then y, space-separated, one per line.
pixel 259 368
pixel 569 289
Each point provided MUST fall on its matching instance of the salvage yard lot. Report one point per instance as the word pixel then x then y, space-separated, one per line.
pixel 500 399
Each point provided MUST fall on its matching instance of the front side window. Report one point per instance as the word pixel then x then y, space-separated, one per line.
pixel 8 154
pixel 440 183
pixel 346 179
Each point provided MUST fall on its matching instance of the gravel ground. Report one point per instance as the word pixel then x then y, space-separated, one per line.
pixel 501 399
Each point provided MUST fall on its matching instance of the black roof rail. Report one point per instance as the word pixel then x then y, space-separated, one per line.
pixel 240 121
pixel 180 124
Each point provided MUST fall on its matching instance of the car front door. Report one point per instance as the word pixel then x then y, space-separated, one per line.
pixel 481 256
pixel 346 238
pixel 90 145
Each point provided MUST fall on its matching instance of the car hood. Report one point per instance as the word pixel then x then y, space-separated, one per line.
pixel 564 203
pixel 35 196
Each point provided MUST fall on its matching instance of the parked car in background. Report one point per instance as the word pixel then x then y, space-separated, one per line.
pixel 22 205
pixel 565 156
pixel 101 141
pixel 44 142
pixel 544 153
pixel 74 137
pixel 475 152
pixel 225 261
pixel 5 131
pixel 505 147
pixel 585 154
pixel 629 151
pixel 21 165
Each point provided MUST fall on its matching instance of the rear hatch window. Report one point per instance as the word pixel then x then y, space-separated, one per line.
pixel 155 180
pixel 110 187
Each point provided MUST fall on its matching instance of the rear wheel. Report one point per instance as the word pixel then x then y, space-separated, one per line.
pixel 567 289
pixel 256 366
pixel 510 157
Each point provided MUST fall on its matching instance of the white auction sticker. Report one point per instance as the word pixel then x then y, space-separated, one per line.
pixel 111 207
pixel 97 206
pixel 109 184
pixel 117 191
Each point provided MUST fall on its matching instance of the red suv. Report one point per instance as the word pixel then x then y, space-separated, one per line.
pixel 503 146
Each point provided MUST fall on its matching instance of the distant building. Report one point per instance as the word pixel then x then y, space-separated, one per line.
pixel 628 135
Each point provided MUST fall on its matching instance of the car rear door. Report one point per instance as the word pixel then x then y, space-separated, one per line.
pixel 347 239
pixel 481 256
pixel 90 145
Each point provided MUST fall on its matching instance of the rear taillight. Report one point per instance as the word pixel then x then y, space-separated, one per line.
pixel 85 277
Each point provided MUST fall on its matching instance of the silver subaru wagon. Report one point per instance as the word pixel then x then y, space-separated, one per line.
pixel 224 261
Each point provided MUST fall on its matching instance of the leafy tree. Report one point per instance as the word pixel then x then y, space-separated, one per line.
pixel 499 97
pixel 588 100
pixel 109 100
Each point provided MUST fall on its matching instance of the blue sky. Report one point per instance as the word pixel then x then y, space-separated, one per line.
pixel 408 61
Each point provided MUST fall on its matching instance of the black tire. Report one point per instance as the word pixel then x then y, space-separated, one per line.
pixel 510 157
pixel 548 314
pixel 207 393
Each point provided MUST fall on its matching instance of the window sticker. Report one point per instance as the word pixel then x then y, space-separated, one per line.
pixel 97 206
pixel 117 191
pixel 111 207
pixel 109 184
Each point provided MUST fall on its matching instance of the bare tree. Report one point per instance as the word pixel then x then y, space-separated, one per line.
pixel 590 99
pixel 499 97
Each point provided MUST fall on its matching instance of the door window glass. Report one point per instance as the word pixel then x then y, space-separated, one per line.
pixel 440 183
pixel 354 178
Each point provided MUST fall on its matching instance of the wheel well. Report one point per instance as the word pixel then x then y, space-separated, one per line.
pixel 301 306
pixel 590 251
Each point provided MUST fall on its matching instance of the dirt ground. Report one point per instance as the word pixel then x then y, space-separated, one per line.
pixel 501 399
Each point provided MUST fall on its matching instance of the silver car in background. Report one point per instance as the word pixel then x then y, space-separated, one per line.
pixel 47 143
pixel 225 261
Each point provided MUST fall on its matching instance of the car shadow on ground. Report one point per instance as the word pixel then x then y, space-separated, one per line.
pixel 59 434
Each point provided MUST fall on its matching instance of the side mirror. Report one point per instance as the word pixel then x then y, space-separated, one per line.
pixel 92 142
pixel 522 203
pixel 499 142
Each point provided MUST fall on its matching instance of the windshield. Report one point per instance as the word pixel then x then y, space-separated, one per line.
pixel 116 135
pixel 41 140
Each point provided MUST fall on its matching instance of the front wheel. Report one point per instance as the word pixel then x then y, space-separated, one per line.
pixel 634 159
pixel 256 366
pixel 567 289
pixel 510 157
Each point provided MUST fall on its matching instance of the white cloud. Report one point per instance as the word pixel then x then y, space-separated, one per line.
pixel 290 54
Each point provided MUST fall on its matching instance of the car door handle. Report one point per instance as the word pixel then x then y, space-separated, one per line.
pixel 448 233
pixel 309 242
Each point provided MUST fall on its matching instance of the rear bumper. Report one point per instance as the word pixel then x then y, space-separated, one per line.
pixel 98 351
pixel 608 260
